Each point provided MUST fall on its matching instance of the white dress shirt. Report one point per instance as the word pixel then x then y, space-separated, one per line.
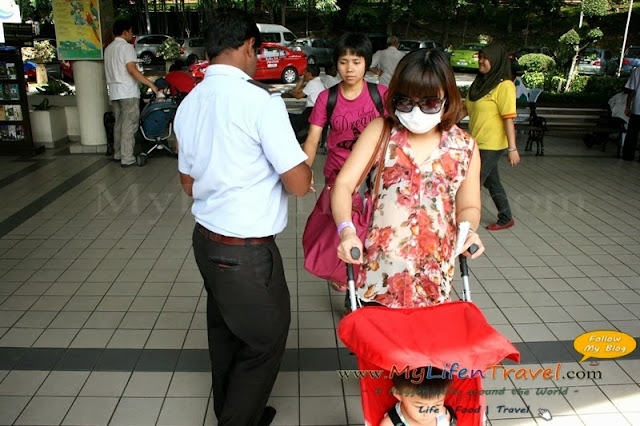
pixel 116 57
pixel 235 140
pixel 634 84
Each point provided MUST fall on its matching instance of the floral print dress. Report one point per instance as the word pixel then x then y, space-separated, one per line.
pixel 409 250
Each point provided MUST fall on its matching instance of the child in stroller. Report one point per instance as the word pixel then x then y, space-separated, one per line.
pixel 421 399
pixel 156 121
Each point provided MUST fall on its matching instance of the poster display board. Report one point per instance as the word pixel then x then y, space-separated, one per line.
pixel 15 127
pixel 78 29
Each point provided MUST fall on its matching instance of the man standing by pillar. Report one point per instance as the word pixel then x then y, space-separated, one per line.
pixel 633 111
pixel 239 160
pixel 122 79
pixel 385 61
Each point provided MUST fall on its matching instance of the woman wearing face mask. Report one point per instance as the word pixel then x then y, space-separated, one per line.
pixel 430 183
pixel 491 104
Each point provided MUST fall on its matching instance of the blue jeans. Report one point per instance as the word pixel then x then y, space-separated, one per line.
pixel 490 179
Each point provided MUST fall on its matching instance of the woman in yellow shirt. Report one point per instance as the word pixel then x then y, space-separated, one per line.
pixel 491 105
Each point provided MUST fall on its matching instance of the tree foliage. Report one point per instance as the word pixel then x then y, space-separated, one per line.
pixel 593 8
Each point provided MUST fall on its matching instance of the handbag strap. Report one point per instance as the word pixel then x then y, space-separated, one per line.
pixel 381 148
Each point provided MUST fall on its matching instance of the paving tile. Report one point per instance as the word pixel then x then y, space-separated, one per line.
pixel 137 411
pixel 589 400
pixel 45 410
pixel 92 338
pixel 11 407
pixel 63 383
pixel 20 337
pixel 90 410
pixel 35 319
pixel 190 385
pixel 102 383
pixel 104 320
pixel 322 411
pixel 22 383
pixel 148 384
pixel 183 411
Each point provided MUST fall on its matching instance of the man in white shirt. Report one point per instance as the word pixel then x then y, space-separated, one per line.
pixel 385 61
pixel 239 159
pixel 308 87
pixel 330 78
pixel 122 79
pixel 633 111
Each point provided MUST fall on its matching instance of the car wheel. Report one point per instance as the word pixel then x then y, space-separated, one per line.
pixel 289 75
pixel 192 59
pixel 311 60
pixel 147 58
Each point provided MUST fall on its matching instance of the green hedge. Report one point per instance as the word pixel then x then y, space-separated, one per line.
pixel 537 62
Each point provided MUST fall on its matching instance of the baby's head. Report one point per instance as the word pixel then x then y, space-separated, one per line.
pixel 421 393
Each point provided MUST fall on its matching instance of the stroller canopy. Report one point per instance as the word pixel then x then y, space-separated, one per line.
pixel 451 336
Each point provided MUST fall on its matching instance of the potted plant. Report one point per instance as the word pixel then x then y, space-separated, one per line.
pixel 170 50
pixel 41 53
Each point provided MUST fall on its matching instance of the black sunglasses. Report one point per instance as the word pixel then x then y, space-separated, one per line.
pixel 429 105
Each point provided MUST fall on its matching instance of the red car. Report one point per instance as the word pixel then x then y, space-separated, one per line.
pixel 275 62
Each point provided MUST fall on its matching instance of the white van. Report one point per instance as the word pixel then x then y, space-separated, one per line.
pixel 273 33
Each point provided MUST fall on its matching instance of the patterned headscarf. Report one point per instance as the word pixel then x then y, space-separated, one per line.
pixel 500 71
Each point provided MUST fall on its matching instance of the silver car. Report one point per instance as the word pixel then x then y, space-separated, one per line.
pixel 597 62
pixel 146 46
pixel 193 50
pixel 319 51
pixel 409 45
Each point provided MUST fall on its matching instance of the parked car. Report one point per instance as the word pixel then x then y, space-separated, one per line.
pixel 409 45
pixel 631 58
pixel 318 50
pixel 513 57
pixel 275 62
pixel 192 49
pixel 146 46
pixel 595 61
pixel 465 56
pixel 378 41
pixel 273 33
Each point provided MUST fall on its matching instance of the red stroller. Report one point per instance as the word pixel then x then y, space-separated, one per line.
pixel 395 339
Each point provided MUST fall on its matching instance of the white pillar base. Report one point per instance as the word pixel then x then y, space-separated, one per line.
pixel 91 95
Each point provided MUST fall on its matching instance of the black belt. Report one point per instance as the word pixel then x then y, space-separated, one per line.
pixel 232 241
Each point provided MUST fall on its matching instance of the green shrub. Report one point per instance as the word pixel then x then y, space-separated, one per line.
pixel 464 90
pixel 169 49
pixel 579 83
pixel 537 62
pixel 533 79
pixel 604 85
pixel 586 100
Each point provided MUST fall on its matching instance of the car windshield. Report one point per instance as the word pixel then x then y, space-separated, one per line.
pixel 633 52
pixel 589 54
pixel 468 47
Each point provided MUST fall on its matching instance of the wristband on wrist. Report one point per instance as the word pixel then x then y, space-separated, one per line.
pixel 345 224
pixel 512 149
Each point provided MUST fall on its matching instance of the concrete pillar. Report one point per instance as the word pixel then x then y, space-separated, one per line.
pixel 91 95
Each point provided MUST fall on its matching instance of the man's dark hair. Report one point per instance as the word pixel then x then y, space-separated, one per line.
pixel 331 70
pixel 121 25
pixel 228 29
pixel 355 44
pixel 313 69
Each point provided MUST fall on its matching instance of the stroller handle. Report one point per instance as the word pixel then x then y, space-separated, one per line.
pixel 355 253
pixel 464 271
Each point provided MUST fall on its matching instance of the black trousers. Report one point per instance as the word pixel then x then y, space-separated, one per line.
pixel 248 317
pixel 490 179
pixel 631 140
pixel 300 122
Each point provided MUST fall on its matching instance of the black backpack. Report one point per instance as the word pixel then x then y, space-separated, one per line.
pixel 373 92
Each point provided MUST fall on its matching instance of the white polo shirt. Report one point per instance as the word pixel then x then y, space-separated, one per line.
pixel 116 57
pixel 235 140
pixel 634 84
pixel 387 61
pixel 312 90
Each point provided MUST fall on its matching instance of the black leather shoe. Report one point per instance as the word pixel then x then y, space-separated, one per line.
pixel 127 165
pixel 267 417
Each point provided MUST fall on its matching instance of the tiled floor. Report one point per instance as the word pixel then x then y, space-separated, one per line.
pixel 102 309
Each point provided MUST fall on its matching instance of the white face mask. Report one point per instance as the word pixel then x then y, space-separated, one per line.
pixel 417 121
